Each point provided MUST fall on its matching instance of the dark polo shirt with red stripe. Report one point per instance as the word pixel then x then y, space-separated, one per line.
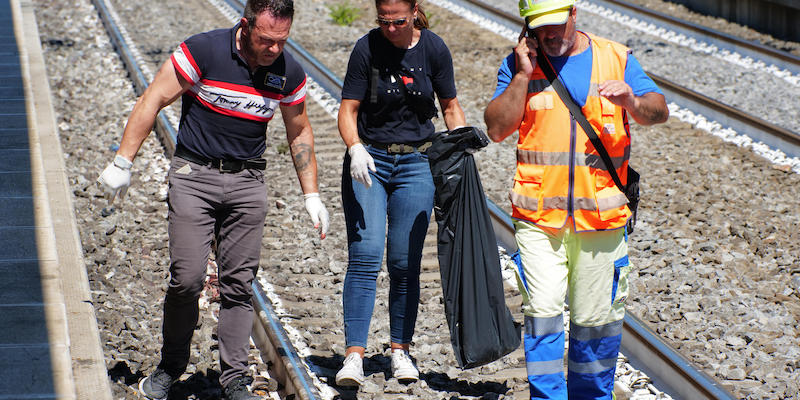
pixel 225 113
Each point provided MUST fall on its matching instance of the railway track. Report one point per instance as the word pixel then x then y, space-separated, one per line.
pixel 330 150
pixel 747 48
pixel 778 61
pixel 786 140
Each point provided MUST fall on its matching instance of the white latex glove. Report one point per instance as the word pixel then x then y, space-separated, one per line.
pixel 318 212
pixel 116 178
pixel 360 164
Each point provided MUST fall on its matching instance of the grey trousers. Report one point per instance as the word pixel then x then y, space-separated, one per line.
pixel 204 204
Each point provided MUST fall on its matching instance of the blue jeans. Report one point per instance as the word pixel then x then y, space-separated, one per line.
pixel 401 195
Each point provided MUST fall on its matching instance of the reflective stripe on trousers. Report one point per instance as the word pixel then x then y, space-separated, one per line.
pixel 591 360
pixel 544 356
pixel 593 267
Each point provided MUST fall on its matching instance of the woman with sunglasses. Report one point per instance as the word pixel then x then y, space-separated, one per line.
pixel 387 189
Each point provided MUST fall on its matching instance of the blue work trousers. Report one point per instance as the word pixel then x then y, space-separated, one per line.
pixel 592 267
pixel 400 198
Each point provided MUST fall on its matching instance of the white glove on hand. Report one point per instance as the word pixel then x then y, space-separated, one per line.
pixel 318 213
pixel 116 178
pixel 360 164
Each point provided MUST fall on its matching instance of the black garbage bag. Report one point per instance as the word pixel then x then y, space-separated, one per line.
pixel 481 327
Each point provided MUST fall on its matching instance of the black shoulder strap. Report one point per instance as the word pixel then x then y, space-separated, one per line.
pixel 374 73
pixel 576 112
pixel 428 72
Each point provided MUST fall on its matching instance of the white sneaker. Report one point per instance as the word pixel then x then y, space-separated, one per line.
pixel 402 367
pixel 352 372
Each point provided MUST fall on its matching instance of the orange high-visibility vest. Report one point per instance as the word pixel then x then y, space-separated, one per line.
pixel 559 173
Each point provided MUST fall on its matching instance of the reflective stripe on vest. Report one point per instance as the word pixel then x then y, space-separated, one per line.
pixel 558 170
pixel 585 160
pixel 560 203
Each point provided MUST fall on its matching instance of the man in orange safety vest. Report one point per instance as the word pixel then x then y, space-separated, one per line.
pixel 569 214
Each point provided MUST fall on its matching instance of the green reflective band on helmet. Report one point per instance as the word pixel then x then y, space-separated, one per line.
pixel 528 8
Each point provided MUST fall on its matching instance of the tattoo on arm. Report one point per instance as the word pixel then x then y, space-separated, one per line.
pixel 301 155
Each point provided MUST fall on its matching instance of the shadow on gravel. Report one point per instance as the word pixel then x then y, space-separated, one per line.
pixel 484 390
pixel 328 366
pixel 198 386
pixel 121 372
pixel 377 367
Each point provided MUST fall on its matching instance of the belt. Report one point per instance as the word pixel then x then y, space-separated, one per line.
pixel 399 148
pixel 224 166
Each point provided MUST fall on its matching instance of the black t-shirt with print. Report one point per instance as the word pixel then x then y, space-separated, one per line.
pixel 427 68
pixel 226 111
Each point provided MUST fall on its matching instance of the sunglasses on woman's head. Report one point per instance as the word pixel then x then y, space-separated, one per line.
pixel 396 22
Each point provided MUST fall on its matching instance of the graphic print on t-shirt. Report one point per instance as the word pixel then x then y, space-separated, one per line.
pixel 232 99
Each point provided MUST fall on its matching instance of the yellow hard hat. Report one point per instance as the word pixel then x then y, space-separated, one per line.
pixel 545 12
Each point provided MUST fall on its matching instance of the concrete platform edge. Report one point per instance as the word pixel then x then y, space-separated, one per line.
pixel 79 369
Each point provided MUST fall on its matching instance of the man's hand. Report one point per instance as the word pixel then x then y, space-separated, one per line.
pixel 647 109
pixel 526 53
pixel 619 93
pixel 116 178
pixel 504 113
pixel 318 213
pixel 360 164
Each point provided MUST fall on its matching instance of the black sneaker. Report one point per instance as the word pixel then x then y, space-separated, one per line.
pixel 238 390
pixel 156 386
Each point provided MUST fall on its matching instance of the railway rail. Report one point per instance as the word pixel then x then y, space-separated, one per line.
pixel 757 51
pixel 285 385
pixel 742 122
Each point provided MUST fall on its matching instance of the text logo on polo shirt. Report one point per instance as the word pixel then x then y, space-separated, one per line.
pixel 275 81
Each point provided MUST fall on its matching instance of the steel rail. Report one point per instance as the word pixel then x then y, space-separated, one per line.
pixel 747 48
pixel 272 340
pixel 752 49
pixel 166 132
pixel 269 336
pixel 744 123
pixel 756 128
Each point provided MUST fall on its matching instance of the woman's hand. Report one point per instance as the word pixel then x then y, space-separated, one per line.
pixel 360 164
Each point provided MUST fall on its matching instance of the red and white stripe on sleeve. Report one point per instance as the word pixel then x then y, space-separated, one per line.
pixel 296 96
pixel 185 65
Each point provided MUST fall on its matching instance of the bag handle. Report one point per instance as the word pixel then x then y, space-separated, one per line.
pixel 577 114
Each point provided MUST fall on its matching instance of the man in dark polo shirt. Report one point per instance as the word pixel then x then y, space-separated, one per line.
pixel 231 80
